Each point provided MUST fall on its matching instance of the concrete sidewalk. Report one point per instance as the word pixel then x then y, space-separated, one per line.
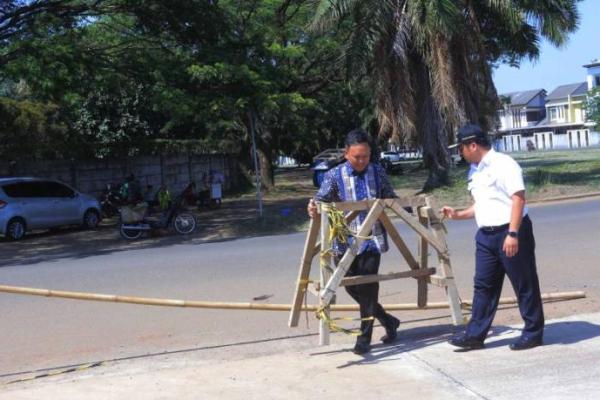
pixel 420 366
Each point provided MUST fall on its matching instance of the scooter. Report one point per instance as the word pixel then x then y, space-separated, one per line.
pixel 135 220
pixel 110 201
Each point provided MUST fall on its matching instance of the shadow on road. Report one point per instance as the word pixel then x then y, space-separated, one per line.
pixel 236 219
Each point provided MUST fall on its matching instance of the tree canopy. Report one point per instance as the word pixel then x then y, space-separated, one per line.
pixel 112 78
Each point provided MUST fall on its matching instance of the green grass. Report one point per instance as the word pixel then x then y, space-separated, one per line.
pixel 547 175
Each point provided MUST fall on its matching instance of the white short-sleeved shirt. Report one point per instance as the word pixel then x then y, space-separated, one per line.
pixel 492 182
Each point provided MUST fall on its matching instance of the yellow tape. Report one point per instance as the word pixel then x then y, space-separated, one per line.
pixel 57 372
pixel 323 315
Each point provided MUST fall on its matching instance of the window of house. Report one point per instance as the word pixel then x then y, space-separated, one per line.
pixel 597 79
pixel 553 113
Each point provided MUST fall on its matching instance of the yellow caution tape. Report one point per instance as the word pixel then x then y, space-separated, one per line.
pixel 57 372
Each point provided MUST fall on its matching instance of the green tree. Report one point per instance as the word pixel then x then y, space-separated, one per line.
pixel 592 105
pixel 430 61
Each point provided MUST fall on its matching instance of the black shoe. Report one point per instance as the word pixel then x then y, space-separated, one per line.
pixel 467 343
pixel 361 348
pixel 391 331
pixel 524 344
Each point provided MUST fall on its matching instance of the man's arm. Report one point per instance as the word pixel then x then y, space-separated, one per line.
pixel 466 213
pixel 511 244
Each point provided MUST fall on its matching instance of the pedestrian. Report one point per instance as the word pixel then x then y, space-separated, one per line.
pixel 505 244
pixel 163 197
pixel 359 179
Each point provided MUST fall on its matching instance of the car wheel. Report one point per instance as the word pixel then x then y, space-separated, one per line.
pixel 91 219
pixel 15 230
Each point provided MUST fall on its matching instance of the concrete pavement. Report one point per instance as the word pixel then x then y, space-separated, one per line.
pixel 421 365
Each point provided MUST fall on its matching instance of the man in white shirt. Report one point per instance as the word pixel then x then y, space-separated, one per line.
pixel 504 242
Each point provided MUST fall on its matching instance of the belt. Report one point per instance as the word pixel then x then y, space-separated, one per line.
pixel 493 229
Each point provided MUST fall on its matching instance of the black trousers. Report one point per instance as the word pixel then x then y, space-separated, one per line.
pixel 367 295
pixel 491 264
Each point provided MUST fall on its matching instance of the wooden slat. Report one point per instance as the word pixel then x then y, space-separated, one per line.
pixel 325 267
pixel 361 279
pixel 397 239
pixel 414 201
pixel 304 271
pixel 334 282
pixel 424 257
pixel 445 269
pixel 417 227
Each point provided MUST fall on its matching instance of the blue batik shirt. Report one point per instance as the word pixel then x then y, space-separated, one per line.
pixel 343 183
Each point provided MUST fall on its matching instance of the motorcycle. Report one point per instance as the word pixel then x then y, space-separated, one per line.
pixel 135 220
pixel 110 201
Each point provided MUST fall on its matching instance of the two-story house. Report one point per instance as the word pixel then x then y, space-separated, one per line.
pixel 521 112
pixel 563 125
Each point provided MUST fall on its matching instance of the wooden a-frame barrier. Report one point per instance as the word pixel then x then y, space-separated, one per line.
pixel 424 221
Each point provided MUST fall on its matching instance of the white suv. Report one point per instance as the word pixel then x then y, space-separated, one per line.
pixel 36 203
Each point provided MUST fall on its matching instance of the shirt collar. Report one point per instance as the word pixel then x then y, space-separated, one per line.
pixel 486 159
pixel 352 171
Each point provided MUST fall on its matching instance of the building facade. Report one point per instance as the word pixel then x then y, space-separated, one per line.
pixel 562 125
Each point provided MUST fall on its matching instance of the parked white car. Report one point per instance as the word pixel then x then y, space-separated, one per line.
pixel 37 203
pixel 392 156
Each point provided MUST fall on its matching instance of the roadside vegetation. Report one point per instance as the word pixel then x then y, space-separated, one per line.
pixel 548 175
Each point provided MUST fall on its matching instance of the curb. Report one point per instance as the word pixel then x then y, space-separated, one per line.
pixel 563 198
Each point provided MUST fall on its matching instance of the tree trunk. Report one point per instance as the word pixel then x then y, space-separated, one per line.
pixel 431 129
pixel 266 168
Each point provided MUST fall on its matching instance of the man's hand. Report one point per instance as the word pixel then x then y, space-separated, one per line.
pixel 449 212
pixel 312 208
pixel 511 246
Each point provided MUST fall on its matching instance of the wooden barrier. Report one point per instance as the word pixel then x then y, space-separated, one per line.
pixel 423 221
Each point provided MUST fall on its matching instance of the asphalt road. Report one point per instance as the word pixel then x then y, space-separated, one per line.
pixel 38 332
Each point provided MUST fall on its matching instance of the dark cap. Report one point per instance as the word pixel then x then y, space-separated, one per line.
pixel 469 133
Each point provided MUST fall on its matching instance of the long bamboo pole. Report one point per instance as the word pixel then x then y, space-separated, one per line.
pixel 153 301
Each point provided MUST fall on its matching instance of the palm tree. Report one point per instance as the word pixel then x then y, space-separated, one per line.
pixel 430 62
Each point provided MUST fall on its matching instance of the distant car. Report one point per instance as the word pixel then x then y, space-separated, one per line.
pixel 392 156
pixel 324 161
pixel 37 203
pixel 391 161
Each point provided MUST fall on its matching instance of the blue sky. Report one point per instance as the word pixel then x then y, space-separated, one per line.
pixel 557 67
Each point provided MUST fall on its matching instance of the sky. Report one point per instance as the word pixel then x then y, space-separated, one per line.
pixel 557 67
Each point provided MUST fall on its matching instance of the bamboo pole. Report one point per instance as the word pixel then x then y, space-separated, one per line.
pixel 153 301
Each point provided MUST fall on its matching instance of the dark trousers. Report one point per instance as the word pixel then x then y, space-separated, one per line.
pixel 490 267
pixel 366 295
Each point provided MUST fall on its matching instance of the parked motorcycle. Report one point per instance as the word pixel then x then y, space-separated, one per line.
pixel 135 221
pixel 110 201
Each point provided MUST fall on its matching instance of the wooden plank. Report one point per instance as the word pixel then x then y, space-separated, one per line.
pixel 361 279
pixel 304 271
pixel 362 205
pixel 424 257
pixel 397 239
pixel 324 268
pixel 417 227
pixel 334 282
pixel 445 269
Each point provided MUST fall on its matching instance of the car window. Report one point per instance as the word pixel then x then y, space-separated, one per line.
pixel 55 189
pixel 23 189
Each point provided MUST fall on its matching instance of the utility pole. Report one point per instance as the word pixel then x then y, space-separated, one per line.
pixel 255 158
